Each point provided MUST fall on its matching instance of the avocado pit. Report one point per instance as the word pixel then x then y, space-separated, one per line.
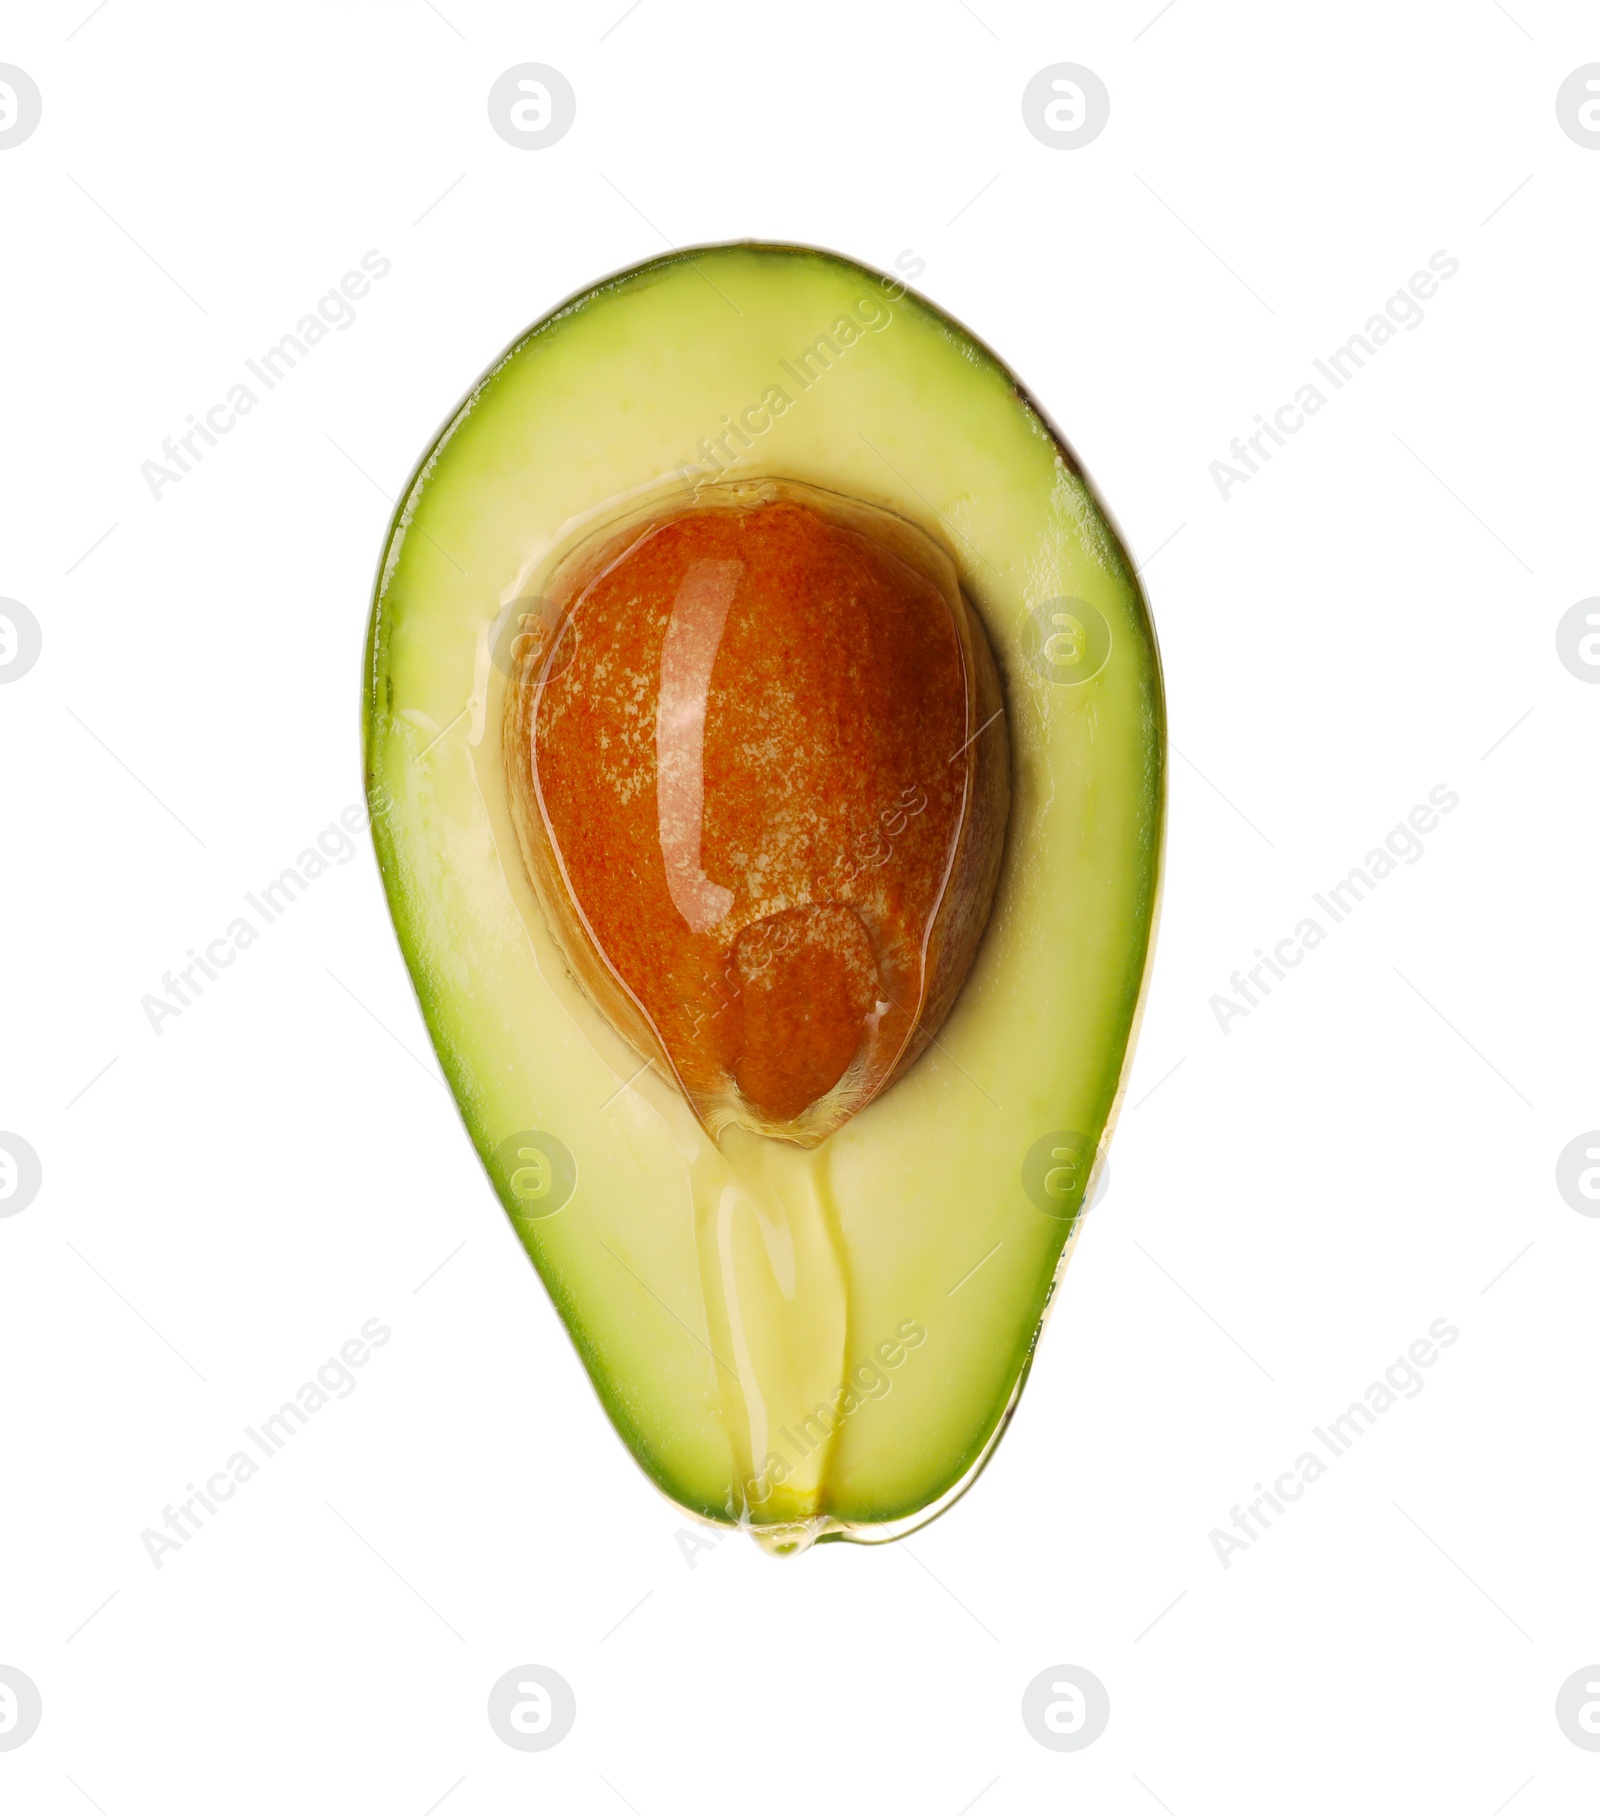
pixel 758 770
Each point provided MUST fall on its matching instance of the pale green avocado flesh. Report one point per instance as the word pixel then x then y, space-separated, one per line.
pixel 822 1344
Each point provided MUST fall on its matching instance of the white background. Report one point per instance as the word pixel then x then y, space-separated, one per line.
pixel 1368 617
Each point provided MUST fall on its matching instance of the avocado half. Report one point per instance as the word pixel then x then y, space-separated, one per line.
pixel 813 1340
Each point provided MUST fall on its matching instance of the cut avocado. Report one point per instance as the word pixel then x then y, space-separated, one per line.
pixel 793 1098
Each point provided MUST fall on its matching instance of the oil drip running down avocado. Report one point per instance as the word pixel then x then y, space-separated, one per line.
pixel 756 757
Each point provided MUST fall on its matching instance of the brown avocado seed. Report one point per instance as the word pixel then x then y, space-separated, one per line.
pixel 759 773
